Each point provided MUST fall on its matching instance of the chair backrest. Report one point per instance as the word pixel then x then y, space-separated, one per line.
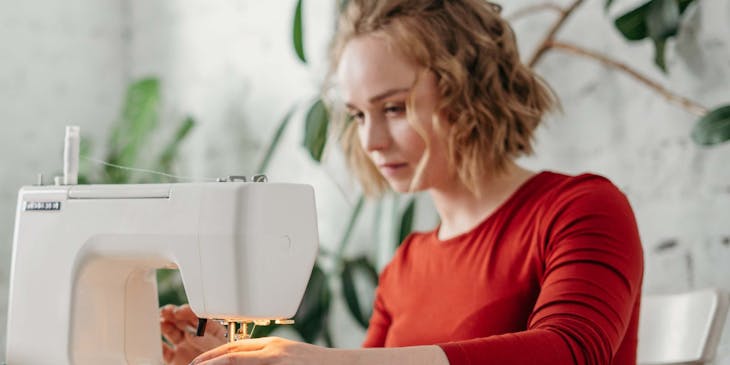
pixel 681 328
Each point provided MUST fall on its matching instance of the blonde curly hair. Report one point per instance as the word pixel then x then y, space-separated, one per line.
pixel 491 102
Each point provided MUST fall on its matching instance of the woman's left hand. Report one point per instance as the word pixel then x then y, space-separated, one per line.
pixel 268 350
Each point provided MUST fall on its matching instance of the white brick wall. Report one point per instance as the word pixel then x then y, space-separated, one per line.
pixel 229 63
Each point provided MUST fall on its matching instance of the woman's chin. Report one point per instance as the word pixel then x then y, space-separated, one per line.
pixel 403 187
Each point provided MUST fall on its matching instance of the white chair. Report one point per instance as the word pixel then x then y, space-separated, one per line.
pixel 681 328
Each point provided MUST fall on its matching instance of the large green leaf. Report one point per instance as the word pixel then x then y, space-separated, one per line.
pixel 406 221
pixel 655 19
pixel 169 154
pixel 311 318
pixel 349 290
pixel 713 128
pixel 315 134
pixel 633 24
pixel 662 19
pixel 264 164
pixel 662 22
pixel 139 119
pixel 298 32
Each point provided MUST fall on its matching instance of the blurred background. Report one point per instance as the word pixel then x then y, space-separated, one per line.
pixel 228 87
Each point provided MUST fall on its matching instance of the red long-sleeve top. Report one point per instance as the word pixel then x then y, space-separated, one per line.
pixel 553 276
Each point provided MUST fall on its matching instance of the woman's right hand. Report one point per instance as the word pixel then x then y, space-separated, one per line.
pixel 178 326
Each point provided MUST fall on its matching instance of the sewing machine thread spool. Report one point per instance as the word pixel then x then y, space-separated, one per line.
pixel 71 155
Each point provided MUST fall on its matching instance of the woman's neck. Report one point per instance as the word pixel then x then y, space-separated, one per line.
pixel 461 210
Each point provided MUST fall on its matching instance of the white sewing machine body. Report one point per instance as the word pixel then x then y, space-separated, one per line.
pixel 83 282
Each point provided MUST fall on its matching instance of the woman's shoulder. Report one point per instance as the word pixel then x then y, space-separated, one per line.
pixel 554 199
pixel 572 181
pixel 556 186
pixel 583 198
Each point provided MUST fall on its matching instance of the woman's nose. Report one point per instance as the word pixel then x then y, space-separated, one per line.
pixel 374 135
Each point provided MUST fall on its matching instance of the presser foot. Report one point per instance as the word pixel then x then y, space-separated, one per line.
pixel 242 330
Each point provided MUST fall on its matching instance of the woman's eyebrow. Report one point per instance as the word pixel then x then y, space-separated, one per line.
pixel 388 93
pixel 382 95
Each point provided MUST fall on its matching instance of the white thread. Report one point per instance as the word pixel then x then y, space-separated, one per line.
pixel 148 171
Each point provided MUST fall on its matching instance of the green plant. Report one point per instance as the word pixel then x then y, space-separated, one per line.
pixel 130 134
pixel 659 21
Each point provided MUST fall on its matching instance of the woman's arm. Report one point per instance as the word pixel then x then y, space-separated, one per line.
pixel 415 355
pixel 587 309
pixel 275 350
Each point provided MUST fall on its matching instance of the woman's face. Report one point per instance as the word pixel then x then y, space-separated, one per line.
pixel 376 82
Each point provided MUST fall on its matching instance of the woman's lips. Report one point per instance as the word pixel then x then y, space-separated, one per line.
pixel 392 169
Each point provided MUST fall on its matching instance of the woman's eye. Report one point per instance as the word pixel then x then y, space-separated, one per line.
pixel 358 117
pixel 394 110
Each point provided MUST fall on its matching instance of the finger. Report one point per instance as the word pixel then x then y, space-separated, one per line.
pixel 167 313
pixel 204 343
pixel 167 353
pixel 216 329
pixel 185 313
pixel 187 321
pixel 237 346
pixel 232 359
pixel 171 333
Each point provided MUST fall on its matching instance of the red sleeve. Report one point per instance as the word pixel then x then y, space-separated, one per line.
pixel 592 280
pixel 380 320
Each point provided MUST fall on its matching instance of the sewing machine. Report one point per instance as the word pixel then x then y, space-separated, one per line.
pixel 83 287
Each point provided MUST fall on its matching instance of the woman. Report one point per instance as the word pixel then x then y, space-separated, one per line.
pixel 525 267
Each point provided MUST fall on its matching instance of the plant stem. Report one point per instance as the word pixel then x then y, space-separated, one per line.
pixel 544 45
pixel 350 226
pixel 528 10
pixel 687 104
pixel 264 164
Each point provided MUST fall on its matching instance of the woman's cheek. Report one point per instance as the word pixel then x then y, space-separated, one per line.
pixel 411 140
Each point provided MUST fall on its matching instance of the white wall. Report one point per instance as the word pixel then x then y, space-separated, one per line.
pixel 60 63
pixel 230 64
